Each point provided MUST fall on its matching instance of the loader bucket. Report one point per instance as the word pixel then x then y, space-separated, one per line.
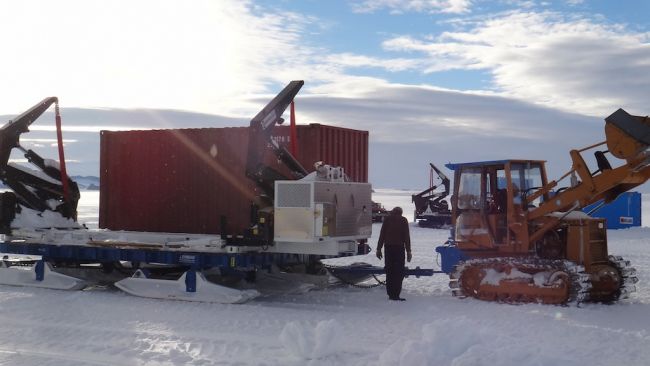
pixel 627 135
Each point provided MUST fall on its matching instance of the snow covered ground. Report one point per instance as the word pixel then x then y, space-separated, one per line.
pixel 337 326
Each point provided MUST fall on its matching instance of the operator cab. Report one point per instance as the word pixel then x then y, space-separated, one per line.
pixel 490 200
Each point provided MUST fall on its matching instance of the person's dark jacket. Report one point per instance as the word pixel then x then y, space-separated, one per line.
pixel 395 232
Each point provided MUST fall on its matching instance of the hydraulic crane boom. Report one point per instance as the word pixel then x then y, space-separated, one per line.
pixel 430 208
pixel 444 181
pixel 39 190
pixel 259 137
pixel 11 131
pixel 273 220
pixel 260 131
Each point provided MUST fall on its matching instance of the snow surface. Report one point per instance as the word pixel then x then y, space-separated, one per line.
pixel 337 326
pixel 32 219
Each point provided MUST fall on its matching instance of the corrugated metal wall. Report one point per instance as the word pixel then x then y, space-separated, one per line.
pixel 335 146
pixel 184 180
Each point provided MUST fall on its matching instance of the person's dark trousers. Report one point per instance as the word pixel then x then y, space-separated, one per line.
pixel 394 264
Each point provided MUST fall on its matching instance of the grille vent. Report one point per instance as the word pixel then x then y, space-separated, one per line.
pixel 294 195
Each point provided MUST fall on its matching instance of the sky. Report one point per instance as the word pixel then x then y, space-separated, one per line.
pixel 431 80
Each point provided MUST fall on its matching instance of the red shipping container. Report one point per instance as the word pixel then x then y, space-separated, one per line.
pixel 184 180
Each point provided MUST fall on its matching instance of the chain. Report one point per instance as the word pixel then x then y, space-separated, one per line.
pixel 329 267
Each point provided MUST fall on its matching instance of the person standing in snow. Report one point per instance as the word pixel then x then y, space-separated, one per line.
pixel 395 237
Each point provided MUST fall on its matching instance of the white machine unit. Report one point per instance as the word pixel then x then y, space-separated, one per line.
pixel 312 211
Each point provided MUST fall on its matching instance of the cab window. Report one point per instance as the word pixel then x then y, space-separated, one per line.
pixel 469 189
pixel 526 179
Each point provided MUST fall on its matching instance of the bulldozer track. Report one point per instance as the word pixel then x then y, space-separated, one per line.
pixel 468 279
pixel 628 274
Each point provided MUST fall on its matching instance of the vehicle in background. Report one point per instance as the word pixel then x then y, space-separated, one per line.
pixel 378 212
pixel 431 208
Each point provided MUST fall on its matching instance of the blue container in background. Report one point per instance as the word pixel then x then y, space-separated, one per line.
pixel 623 212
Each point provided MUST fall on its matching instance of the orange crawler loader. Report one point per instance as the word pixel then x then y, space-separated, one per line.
pixel 519 238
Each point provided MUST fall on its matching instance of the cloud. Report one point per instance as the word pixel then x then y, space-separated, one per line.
pixel 573 63
pixel 81 128
pixel 200 55
pixel 206 56
pixel 350 60
pixel 229 58
pixel 401 6
pixel 216 57
pixel 388 108
pixel 409 126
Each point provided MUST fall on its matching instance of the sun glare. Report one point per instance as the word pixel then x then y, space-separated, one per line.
pixel 157 54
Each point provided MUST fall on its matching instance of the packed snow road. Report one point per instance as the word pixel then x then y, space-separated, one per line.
pixel 341 326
